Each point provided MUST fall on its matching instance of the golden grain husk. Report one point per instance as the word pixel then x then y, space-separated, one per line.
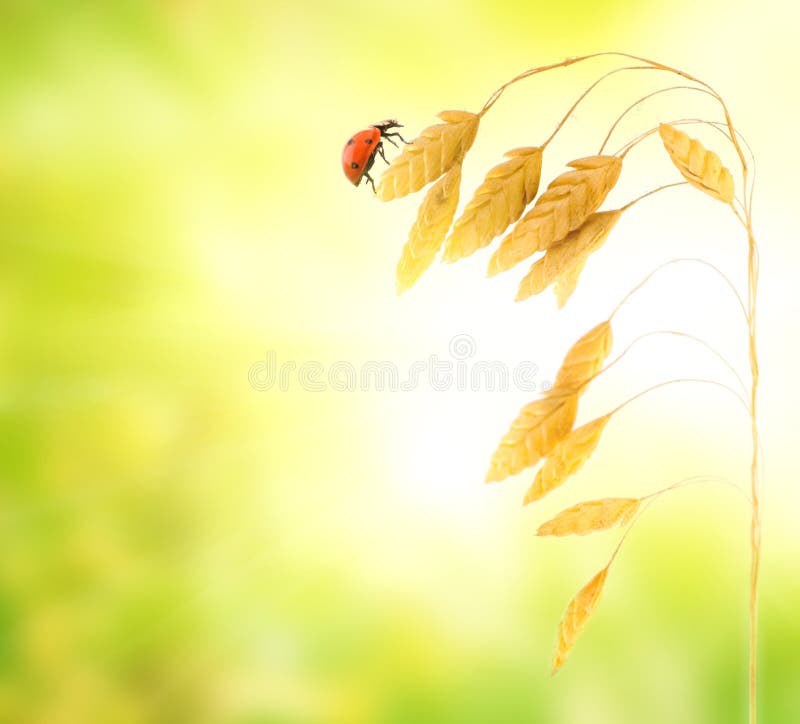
pixel 566 458
pixel 564 207
pixel 563 262
pixel 585 359
pixel 567 283
pixel 429 230
pixel 700 167
pixel 577 615
pixel 498 202
pixel 429 155
pixel 590 516
pixel 536 430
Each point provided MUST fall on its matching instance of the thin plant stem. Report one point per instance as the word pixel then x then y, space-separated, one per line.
pixel 636 140
pixel 651 192
pixel 684 335
pixel 585 93
pixel 681 260
pixel 642 100
pixel 694 480
pixel 653 497
pixel 675 381
pixel 755 522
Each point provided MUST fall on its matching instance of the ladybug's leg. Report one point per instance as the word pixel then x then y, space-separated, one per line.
pixel 379 148
pixel 386 136
pixel 368 166
pixel 371 160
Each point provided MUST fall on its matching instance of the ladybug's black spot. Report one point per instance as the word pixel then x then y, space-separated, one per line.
pixel 354 165
pixel 350 142
pixel 369 140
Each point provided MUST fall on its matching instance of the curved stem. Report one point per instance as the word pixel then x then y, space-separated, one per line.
pixel 623 150
pixel 698 479
pixel 583 95
pixel 642 100
pixel 653 191
pixel 681 260
pixel 711 349
pixel 653 497
pixel 675 333
pixel 738 214
pixel 675 381
pixel 493 98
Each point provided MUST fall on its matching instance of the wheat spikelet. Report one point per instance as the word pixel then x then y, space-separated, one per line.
pixel 566 204
pixel 590 516
pixel 537 429
pixel 498 202
pixel 566 458
pixel 576 617
pixel 564 261
pixel 585 358
pixel 429 155
pixel 566 284
pixel 700 167
pixel 427 234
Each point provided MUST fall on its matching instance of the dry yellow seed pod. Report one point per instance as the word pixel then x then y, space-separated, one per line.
pixel 564 261
pixel 429 155
pixel 566 204
pixel 498 202
pixel 584 359
pixel 566 458
pixel 700 167
pixel 429 230
pixel 537 429
pixel 576 617
pixel 566 283
pixel 590 516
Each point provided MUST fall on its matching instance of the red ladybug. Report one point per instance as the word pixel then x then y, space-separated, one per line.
pixel 359 152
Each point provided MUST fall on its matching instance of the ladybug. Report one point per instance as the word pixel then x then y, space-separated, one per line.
pixel 359 152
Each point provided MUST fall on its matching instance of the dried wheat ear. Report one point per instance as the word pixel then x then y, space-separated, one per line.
pixel 564 226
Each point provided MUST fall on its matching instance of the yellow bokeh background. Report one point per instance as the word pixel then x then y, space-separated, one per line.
pixel 178 544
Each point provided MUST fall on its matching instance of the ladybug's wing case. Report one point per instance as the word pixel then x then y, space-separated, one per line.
pixel 359 152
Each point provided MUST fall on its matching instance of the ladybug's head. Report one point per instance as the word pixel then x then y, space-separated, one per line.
pixel 386 125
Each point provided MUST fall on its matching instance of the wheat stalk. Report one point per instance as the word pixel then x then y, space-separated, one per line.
pixel 563 222
pixel 590 516
pixel 536 430
pixel 498 202
pixel 429 155
pixel 564 261
pixel 700 167
pixel 577 615
pixel 566 458
pixel 566 204
pixel 428 232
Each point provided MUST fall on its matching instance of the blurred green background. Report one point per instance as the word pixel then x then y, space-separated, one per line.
pixel 177 546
